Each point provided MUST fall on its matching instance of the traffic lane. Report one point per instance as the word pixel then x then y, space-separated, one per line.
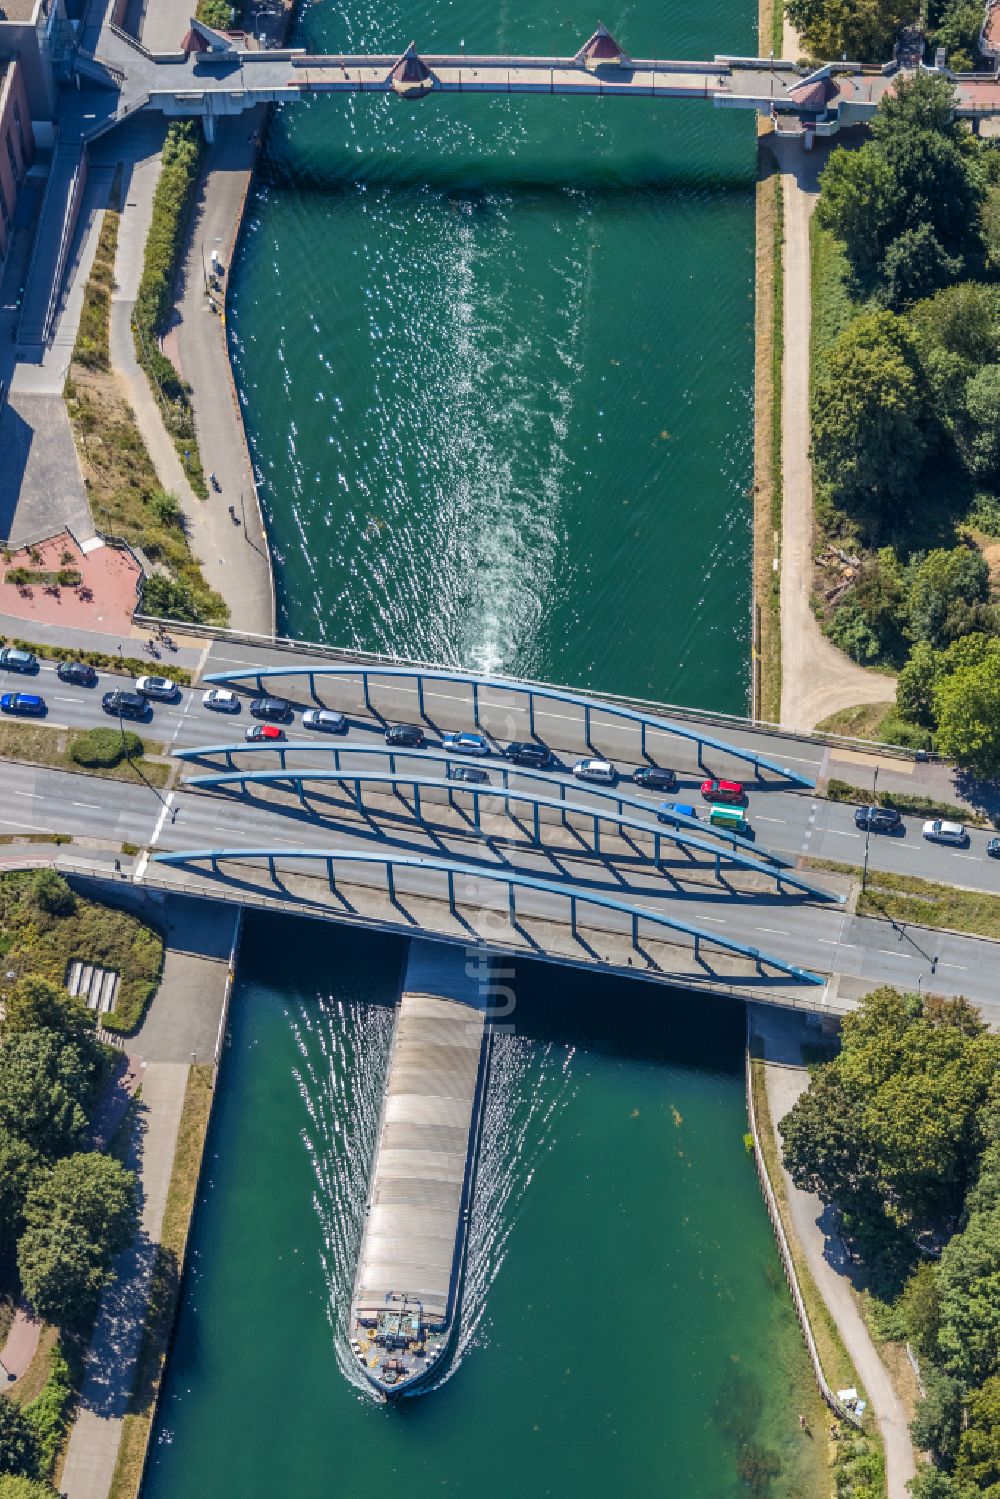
pixel 38 800
pixel 931 961
pixel 505 714
pixel 836 837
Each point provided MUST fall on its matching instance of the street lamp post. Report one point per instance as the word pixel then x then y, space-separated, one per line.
pixel 868 833
pixel 144 779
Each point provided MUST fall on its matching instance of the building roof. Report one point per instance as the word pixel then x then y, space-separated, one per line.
pixel 600 48
pixel 193 41
pixel 812 93
pixel 411 75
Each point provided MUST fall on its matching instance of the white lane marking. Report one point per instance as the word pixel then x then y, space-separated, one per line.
pixel 31 826
pixel 181 718
pixel 840 833
pixel 140 868
pixel 34 796
pixel 167 805
pixel 781 820
pixel 88 806
pixel 961 967
pixel 771 931
pixel 889 952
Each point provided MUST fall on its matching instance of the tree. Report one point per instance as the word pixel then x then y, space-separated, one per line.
pixel 969 1284
pixel 915 264
pixel 868 415
pixel 892 1128
pixel 36 1004
pixel 81 1213
pixel 18 1443
pixel 51 894
pixel 967 706
pixel 856 204
pixel 937 1424
pixel 864 29
pixel 963 320
pixel 941 587
pixel 25 1488
pixel 916 683
pixel 979 1449
pixel 45 1083
pixel 958 32
pixel 982 402
pixel 19 1167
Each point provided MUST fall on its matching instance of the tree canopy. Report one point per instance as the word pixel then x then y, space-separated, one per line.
pixel 863 29
pixel 967 708
pixel 78 1216
pixel 18 1442
pixel 45 1085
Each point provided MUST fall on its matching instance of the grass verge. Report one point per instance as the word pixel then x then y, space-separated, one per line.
pixel 165 1285
pixel 904 897
pixel 34 942
pixel 181 159
pixel 767 435
pixel 863 722
pixel 901 801
pixel 93 342
pixel 52 747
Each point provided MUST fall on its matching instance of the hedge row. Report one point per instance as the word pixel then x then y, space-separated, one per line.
pixel 181 163
pixel 129 666
pixel 903 802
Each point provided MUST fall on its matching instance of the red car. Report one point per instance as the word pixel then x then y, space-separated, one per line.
pixel 723 791
pixel 259 731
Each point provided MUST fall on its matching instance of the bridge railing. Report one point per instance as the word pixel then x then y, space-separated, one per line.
pixel 479 684
pixel 295 779
pixel 631 916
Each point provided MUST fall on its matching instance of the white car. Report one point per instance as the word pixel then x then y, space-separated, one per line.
pixel 601 771
pixel 221 699
pixel 464 744
pixel 945 832
pixel 328 720
pixel 158 687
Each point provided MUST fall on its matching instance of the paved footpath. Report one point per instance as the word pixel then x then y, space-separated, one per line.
pixel 786 1079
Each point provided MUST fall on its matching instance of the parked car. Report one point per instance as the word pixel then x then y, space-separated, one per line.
pixel 465 744
pixel 277 709
pixel 325 719
pixel 715 790
pixel 161 688
pixel 405 736
pixel 125 704
pixel 670 811
pixel 655 777
pixel 79 673
pixel 472 773
pixel 939 831
pixel 263 731
pixel 15 660
pixel 528 752
pixel 221 700
pixel 22 702
pixel 878 819
pixel 993 849
pixel 601 771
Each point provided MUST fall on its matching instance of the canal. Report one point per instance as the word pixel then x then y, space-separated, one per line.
pixel 496 357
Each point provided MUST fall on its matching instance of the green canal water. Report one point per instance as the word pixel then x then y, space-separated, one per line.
pixel 496 360
pixel 625 1326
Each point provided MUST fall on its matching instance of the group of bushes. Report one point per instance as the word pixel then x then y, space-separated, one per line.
pixel 906 413
pixel 181 162
pixel 901 1131
pixel 93 339
pixel 101 661
pixel 65 1209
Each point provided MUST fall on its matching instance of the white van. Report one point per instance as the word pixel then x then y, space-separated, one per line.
pixel 601 771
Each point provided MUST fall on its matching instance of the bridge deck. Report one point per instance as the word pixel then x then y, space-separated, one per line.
pixel 413 1234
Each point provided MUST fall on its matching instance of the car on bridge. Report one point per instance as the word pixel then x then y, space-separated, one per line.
pixel 327 720
pixel 528 752
pixel 125 704
pixel 77 673
pixel 259 733
pixel 878 820
pixel 602 772
pixel 670 811
pixel 993 849
pixel 405 736
pixel 28 703
pixel 714 790
pixel 15 660
pixel 162 688
pixel 939 831
pixel 277 709
pixel 655 777
pixel 221 700
pixel 473 774
pixel 465 744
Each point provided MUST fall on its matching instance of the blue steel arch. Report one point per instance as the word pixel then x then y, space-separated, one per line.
pixel 295 779
pixel 511 878
pixel 504 684
pixel 546 777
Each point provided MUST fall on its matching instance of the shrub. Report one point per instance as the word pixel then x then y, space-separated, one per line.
pixel 49 1411
pixel 105 748
pixel 51 894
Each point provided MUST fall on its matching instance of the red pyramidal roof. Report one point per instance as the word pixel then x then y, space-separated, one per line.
pixel 193 42
pixel 601 48
pixel 411 75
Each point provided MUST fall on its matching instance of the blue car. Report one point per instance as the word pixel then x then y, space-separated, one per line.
pixel 22 702
pixel 664 810
pixel 465 744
